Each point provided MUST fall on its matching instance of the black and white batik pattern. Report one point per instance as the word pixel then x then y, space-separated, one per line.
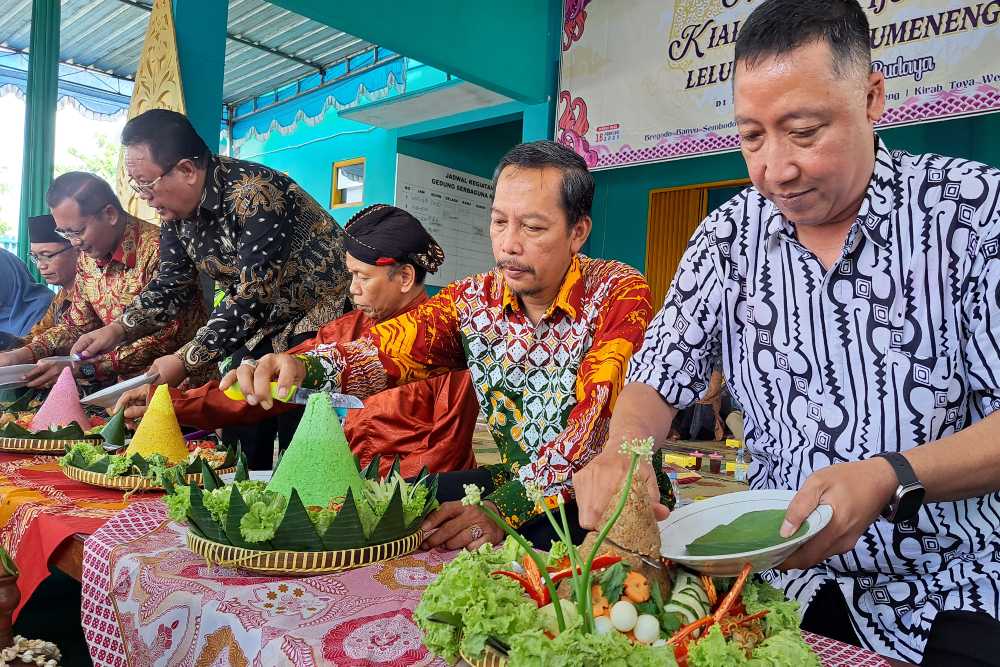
pixel 898 344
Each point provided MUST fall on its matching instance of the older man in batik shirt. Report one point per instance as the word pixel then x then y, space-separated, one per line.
pixel 276 253
pixel 853 293
pixel 546 336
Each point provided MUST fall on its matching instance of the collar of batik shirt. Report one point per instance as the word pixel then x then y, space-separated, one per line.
pixel 876 212
pixel 216 174
pixel 569 298
pixel 126 253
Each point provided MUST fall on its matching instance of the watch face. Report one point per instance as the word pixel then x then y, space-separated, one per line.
pixel 910 500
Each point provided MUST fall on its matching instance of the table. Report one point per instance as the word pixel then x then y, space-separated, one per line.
pixel 44 517
pixel 147 600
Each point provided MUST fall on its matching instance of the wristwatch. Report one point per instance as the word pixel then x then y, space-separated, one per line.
pixel 909 495
pixel 88 371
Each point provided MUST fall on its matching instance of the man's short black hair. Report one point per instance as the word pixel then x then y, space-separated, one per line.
pixel 777 27
pixel 169 135
pixel 91 192
pixel 577 181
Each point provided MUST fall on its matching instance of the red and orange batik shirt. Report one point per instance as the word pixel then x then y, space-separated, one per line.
pixel 547 389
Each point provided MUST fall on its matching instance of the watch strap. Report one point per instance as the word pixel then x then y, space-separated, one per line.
pixel 904 471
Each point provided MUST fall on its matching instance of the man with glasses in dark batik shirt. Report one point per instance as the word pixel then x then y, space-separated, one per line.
pixel 276 253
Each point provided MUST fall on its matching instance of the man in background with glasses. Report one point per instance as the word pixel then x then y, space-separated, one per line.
pixel 55 258
pixel 120 255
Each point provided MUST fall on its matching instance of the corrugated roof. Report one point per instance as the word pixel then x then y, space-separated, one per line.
pixel 267 46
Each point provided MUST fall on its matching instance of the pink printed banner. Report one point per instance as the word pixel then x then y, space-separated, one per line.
pixel 647 80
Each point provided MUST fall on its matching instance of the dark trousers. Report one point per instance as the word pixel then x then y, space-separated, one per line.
pixel 958 638
pixel 257 439
pixel 538 531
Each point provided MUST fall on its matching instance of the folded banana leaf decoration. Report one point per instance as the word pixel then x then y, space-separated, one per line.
pixel 296 531
pixel 71 432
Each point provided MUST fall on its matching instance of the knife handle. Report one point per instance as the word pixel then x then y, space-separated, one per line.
pixel 235 393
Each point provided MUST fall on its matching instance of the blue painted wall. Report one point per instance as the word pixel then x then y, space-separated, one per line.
pixel 308 153
pixel 472 141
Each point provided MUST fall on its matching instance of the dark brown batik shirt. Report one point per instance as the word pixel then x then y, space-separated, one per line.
pixel 276 253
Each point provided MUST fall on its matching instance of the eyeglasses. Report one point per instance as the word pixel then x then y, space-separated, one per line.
pixel 70 235
pixel 147 188
pixel 43 260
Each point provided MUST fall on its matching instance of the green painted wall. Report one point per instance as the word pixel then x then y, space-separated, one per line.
pixel 201 29
pixel 475 151
pixel 621 204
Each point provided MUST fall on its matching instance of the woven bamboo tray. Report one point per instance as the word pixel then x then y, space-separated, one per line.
pixel 40 446
pixel 489 658
pixel 129 482
pixel 300 563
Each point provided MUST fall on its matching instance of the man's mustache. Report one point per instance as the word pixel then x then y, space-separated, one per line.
pixel 508 264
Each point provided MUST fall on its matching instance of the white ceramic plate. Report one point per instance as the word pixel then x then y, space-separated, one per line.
pixel 692 521
pixel 106 398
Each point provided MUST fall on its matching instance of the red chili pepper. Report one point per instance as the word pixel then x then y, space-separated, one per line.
pixel 600 563
pixel 529 588
pixel 535 577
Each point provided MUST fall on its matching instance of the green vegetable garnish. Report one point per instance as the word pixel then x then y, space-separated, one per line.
pixel 119 465
pixel 261 521
pixel 178 503
pixel 785 649
pixel 747 532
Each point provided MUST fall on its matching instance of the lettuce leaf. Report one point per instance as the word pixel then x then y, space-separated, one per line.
pixel 217 503
pixel 118 465
pixel 713 650
pixel 90 453
pixel 321 518
pixel 784 649
pixel 485 604
pixel 782 614
pixel 263 517
pixel 178 503
pixel 573 648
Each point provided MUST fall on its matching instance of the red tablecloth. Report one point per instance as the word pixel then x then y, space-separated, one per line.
pixel 40 508
pixel 147 600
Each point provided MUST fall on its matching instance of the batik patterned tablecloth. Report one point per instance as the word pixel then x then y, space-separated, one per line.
pixel 147 600
pixel 40 508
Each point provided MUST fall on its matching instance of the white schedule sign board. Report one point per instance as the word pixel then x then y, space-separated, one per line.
pixel 454 206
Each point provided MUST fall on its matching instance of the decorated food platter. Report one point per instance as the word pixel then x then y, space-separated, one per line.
pixel 318 513
pixel 31 426
pixel 156 452
pixel 611 601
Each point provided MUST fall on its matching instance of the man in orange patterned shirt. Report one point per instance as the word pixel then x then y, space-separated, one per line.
pixel 547 336
pixel 120 254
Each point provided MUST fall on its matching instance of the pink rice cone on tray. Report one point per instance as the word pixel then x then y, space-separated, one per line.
pixel 62 407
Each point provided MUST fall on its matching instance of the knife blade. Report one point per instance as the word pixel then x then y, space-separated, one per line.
pixel 346 401
pixel 73 358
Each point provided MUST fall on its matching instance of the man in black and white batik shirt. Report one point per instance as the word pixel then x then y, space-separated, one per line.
pixel 852 294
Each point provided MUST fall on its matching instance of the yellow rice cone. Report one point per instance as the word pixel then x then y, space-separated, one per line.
pixel 159 432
